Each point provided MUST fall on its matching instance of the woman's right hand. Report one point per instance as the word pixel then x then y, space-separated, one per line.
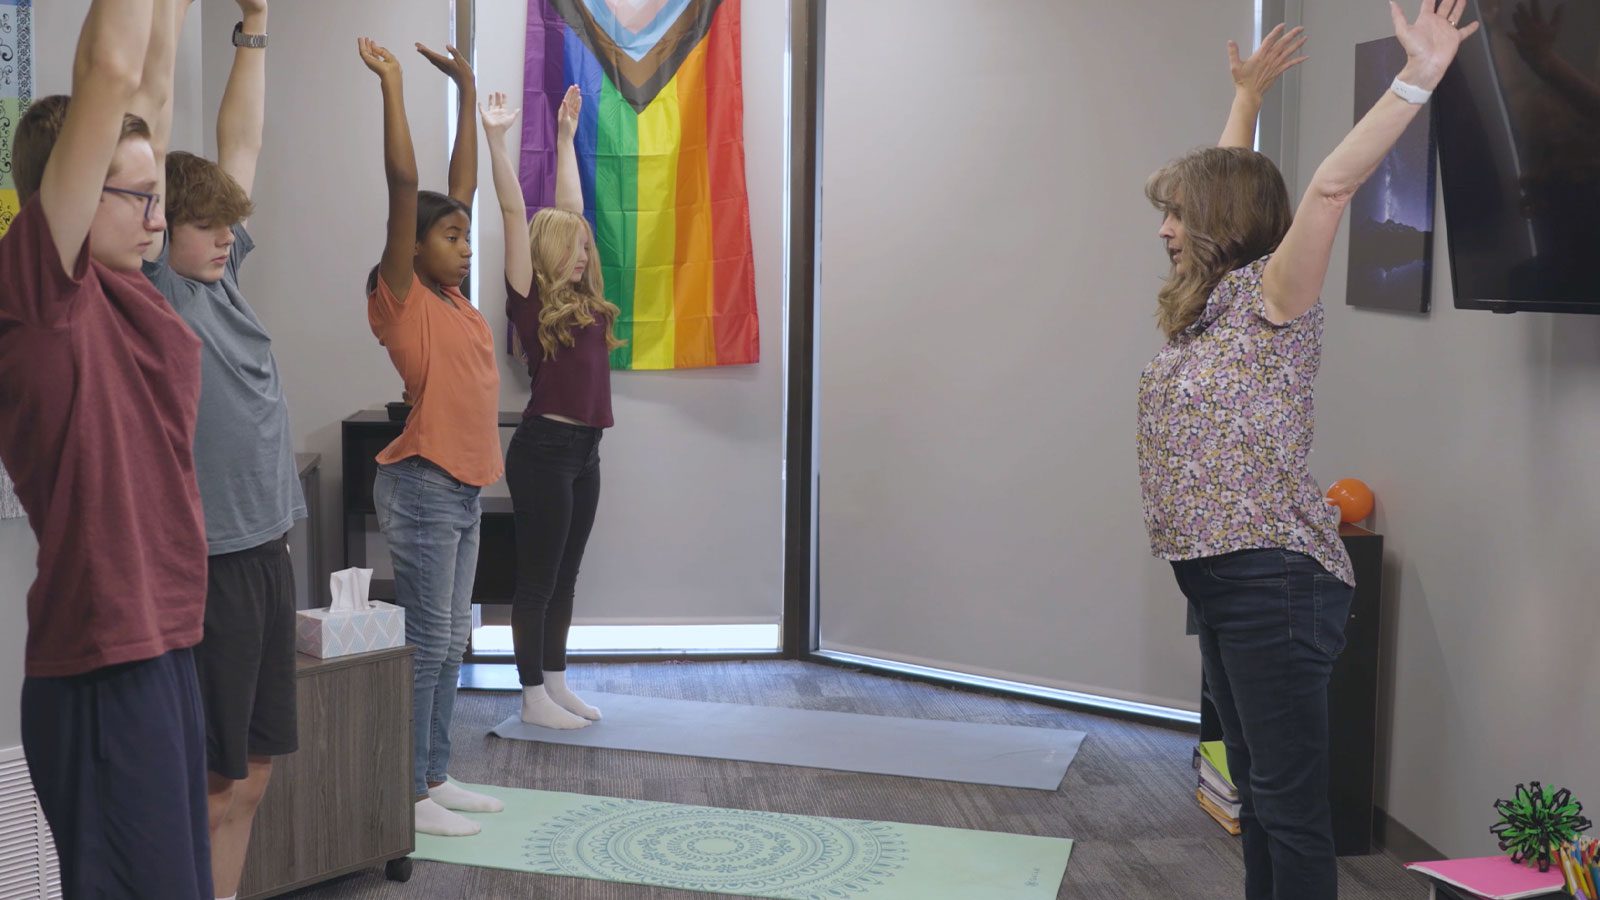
pixel 378 59
pixel 497 117
pixel 1431 42
pixel 1276 55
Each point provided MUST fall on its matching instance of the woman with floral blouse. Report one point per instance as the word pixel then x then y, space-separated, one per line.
pixel 1224 436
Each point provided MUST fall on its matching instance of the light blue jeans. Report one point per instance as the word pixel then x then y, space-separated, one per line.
pixel 431 523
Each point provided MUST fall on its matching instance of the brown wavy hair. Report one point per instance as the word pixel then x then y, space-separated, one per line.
pixel 200 192
pixel 1234 208
pixel 563 305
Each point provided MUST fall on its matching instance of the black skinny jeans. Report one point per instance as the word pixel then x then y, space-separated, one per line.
pixel 553 470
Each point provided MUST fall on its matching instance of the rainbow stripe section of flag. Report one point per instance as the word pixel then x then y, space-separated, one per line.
pixel 660 148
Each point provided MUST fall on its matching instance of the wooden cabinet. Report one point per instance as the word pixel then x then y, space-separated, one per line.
pixel 344 801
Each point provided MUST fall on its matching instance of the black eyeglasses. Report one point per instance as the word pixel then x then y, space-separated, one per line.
pixel 151 201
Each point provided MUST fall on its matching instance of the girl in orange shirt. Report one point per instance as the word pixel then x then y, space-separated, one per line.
pixel 426 490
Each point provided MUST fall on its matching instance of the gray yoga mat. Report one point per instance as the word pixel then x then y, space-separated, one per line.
pixel 972 752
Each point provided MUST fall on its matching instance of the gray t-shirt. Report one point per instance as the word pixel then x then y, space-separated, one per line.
pixel 243 455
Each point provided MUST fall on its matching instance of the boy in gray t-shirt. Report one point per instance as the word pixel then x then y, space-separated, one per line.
pixel 244 460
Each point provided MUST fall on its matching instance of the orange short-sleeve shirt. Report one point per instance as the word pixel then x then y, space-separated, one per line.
pixel 445 354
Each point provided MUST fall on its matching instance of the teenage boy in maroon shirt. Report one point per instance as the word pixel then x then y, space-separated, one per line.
pixel 99 384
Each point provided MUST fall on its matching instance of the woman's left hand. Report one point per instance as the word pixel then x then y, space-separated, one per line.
pixel 1431 41
pixel 1276 55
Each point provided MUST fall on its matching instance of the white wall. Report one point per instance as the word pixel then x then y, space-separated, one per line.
pixel 56 24
pixel 1478 434
pixel 190 123
pixel 990 267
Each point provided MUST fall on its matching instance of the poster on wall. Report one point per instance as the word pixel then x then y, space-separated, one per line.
pixel 1391 216
pixel 16 90
pixel 660 147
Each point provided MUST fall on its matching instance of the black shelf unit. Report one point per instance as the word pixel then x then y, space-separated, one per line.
pixel 363 436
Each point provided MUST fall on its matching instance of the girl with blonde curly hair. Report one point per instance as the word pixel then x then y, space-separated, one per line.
pixel 555 298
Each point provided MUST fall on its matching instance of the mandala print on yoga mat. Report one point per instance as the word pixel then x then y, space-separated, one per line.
pixel 723 850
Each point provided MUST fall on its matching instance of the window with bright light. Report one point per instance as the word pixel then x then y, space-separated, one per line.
pixel 493 640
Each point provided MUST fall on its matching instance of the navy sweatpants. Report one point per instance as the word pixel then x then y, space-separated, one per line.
pixel 118 760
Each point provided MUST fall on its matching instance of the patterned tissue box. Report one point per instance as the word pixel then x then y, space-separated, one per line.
pixel 326 633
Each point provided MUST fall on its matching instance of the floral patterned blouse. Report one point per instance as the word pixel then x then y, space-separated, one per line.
pixel 1225 425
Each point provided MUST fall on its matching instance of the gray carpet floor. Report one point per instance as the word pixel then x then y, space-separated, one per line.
pixel 1128 800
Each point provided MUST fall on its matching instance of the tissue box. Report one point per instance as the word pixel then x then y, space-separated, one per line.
pixel 322 633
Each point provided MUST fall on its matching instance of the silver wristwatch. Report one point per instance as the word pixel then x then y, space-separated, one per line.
pixel 253 41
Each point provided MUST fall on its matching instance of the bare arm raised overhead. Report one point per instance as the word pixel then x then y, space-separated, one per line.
pixel 1293 277
pixel 1253 77
pixel 569 190
pixel 464 155
pixel 497 121
pixel 105 76
pixel 241 121
pixel 400 170
pixel 153 102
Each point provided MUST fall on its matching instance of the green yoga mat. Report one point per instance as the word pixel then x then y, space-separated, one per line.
pixel 750 854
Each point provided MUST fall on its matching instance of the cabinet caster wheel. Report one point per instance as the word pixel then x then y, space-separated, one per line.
pixel 398 869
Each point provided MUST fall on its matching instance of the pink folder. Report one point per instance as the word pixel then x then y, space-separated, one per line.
pixel 1494 877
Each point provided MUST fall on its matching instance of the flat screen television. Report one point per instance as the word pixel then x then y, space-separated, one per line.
pixel 1518 125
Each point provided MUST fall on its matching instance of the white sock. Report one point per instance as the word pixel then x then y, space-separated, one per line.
pixel 229 897
pixel 555 683
pixel 539 709
pixel 453 796
pixel 432 818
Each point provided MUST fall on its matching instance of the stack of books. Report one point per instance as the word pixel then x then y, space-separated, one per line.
pixel 1215 792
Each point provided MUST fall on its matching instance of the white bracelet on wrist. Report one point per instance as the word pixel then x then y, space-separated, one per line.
pixel 1410 93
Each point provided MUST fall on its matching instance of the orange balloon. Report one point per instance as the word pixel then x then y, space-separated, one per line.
pixel 1353 498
